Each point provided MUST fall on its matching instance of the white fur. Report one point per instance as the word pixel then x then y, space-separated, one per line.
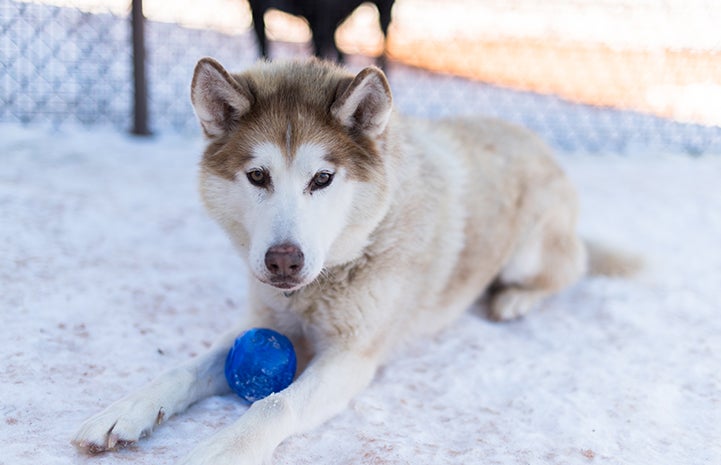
pixel 289 212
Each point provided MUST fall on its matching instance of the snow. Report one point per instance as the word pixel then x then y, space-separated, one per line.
pixel 111 272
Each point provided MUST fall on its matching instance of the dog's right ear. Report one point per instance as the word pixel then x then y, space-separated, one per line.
pixel 364 103
pixel 218 98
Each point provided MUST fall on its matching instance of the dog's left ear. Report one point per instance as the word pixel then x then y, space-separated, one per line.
pixel 365 103
pixel 219 99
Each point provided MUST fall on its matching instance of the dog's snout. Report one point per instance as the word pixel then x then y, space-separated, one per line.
pixel 284 260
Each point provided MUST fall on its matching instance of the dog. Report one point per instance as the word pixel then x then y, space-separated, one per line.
pixel 323 17
pixel 361 229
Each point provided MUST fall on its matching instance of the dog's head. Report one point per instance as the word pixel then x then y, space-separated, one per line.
pixel 294 169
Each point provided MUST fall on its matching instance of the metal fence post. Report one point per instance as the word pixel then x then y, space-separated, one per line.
pixel 140 103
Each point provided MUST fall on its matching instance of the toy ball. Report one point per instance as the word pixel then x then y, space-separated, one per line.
pixel 260 363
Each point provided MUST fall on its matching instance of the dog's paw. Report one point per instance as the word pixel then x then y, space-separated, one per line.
pixel 512 303
pixel 123 423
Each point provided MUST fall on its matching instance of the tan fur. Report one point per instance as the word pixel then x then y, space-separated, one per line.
pixel 436 213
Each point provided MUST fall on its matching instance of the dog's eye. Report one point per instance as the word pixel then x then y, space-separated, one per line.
pixel 320 180
pixel 258 177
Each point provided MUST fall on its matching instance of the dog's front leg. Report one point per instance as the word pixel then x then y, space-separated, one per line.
pixel 138 413
pixel 333 377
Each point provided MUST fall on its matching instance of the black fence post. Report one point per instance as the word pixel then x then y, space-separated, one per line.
pixel 140 103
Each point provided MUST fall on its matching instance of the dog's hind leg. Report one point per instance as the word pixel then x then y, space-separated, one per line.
pixel 547 259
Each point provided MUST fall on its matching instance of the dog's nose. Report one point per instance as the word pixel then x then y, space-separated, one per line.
pixel 284 260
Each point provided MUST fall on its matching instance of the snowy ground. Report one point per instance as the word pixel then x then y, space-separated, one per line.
pixel 111 272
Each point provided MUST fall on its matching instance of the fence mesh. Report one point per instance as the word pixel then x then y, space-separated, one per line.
pixel 63 65
pixel 601 75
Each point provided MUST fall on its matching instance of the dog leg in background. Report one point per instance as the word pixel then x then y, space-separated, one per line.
pixel 333 377
pixel 384 18
pixel 135 415
pixel 323 39
pixel 258 13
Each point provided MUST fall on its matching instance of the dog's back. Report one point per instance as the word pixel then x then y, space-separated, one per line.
pixel 475 199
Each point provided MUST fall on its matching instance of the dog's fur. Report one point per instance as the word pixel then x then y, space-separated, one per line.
pixel 361 228
pixel 324 17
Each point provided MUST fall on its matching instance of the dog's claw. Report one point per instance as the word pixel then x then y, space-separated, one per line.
pixel 112 441
pixel 93 449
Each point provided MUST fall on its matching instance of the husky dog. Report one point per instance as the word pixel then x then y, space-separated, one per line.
pixel 360 228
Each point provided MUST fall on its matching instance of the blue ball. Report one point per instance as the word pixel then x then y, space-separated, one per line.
pixel 261 362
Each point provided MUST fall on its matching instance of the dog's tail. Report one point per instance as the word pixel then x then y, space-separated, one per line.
pixel 604 260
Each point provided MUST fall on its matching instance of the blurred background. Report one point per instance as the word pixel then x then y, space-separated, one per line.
pixel 588 75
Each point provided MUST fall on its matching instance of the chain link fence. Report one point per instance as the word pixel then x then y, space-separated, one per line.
pixel 588 75
pixel 61 65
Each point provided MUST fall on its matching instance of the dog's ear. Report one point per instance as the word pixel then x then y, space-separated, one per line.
pixel 364 103
pixel 218 98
